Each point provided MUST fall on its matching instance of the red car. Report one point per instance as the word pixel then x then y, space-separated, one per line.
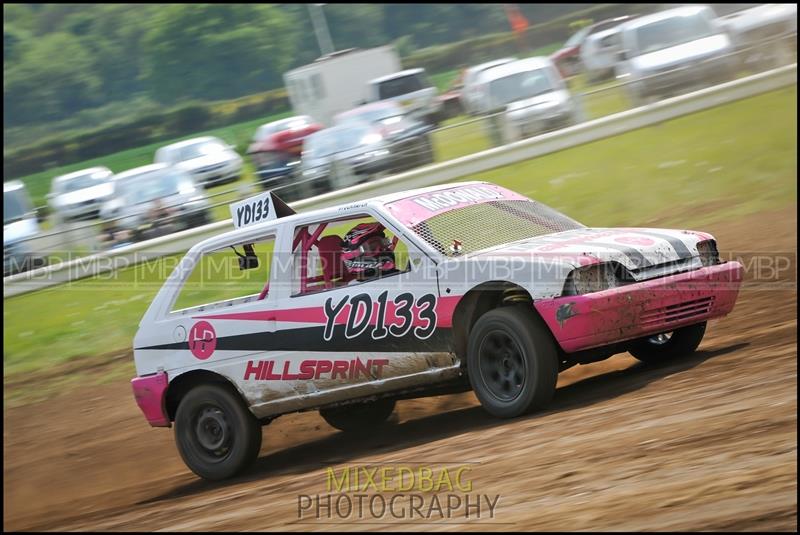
pixel 567 58
pixel 277 146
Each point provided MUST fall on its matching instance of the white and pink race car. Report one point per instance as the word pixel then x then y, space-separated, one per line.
pixel 445 289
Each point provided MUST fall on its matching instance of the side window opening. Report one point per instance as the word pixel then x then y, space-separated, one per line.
pixel 217 279
pixel 343 252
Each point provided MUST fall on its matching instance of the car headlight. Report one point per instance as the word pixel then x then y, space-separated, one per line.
pixel 709 255
pixel 595 278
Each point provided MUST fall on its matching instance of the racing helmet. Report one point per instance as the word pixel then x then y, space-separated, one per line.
pixel 367 251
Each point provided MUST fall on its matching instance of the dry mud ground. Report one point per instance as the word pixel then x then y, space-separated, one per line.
pixel 708 442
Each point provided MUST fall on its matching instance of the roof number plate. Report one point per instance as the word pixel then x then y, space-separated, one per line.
pixel 253 210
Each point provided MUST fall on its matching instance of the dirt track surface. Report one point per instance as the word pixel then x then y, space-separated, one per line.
pixel 708 442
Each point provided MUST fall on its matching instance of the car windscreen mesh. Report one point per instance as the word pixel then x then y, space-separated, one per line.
pixel 482 226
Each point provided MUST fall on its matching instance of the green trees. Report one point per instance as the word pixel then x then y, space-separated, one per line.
pixel 212 52
pixel 62 60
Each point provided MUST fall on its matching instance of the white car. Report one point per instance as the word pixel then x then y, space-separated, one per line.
pixel 763 34
pixel 527 97
pixel 672 51
pixel 80 195
pixel 450 288
pixel 153 200
pixel 20 226
pixel 471 87
pixel 208 159
pixel 412 90
pixel 599 55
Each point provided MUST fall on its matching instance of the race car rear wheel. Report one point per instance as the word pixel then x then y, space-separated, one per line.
pixel 360 416
pixel 511 361
pixel 217 436
pixel 665 346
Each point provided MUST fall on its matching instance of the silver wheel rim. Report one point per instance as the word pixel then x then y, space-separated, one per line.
pixel 660 339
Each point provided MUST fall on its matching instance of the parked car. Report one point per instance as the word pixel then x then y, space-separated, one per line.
pixel 764 35
pixel 389 116
pixel 432 291
pixel 79 195
pixel 354 151
pixel 450 101
pixel 600 54
pixel 409 140
pixel 568 58
pixel 153 200
pixel 276 149
pixel 412 90
pixel 471 88
pixel 673 50
pixel 525 98
pixel 20 225
pixel 209 159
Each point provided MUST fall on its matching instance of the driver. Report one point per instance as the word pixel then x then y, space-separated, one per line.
pixel 367 252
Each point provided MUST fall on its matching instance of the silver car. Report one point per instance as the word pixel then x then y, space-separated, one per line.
pixel 674 50
pixel 525 98
pixel 471 87
pixel 153 200
pixel 358 149
pixel 599 55
pixel 79 195
pixel 765 35
pixel 209 159
pixel 412 90
pixel 20 225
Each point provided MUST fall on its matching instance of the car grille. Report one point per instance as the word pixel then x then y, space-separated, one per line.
pixel 679 312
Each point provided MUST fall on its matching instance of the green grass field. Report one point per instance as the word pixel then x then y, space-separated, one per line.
pixel 726 162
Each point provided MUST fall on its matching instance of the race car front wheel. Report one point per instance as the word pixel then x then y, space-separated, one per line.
pixel 359 417
pixel 216 435
pixel 665 346
pixel 511 361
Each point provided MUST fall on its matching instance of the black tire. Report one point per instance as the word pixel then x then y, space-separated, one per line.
pixel 217 436
pixel 360 416
pixel 666 346
pixel 511 361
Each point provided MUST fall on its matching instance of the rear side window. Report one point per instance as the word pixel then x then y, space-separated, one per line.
pixel 400 86
pixel 217 279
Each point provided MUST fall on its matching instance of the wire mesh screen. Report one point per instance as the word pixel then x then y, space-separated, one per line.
pixel 481 226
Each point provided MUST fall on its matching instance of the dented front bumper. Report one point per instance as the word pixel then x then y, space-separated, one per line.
pixel 640 309
pixel 150 393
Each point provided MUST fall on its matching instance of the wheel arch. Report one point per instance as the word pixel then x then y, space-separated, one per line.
pixel 480 300
pixel 183 383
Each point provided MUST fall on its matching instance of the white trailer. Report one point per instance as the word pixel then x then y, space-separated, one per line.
pixel 338 82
